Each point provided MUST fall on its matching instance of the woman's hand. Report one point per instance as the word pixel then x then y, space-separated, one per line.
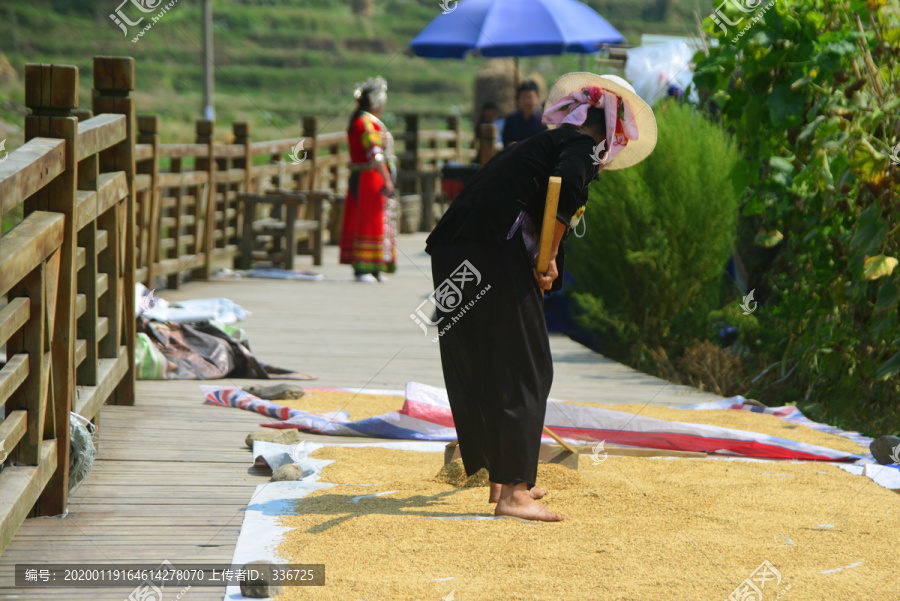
pixel 388 188
pixel 545 280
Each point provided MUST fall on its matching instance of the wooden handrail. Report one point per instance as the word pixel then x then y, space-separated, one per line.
pixel 28 169
pixel 99 133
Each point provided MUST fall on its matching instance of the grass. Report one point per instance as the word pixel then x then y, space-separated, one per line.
pixel 276 60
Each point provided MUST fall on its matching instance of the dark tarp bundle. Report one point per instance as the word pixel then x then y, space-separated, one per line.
pixel 202 351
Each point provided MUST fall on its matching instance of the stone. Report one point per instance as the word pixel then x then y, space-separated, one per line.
pixel 291 471
pixel 264 584
pixel 886 450
pixel 276 435
pixel 276 392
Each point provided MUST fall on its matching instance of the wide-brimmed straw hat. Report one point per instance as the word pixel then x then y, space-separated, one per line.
pixel 636 150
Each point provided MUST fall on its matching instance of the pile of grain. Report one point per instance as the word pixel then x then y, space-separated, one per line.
pixel 550 475
pixel 359 406
pixel 641 528
pixel 454 474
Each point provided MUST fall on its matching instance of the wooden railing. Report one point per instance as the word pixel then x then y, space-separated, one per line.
pixel 105 206
pixel 67 274
pixel 180 231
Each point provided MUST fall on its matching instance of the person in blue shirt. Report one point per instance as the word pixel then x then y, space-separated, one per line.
pixel 526 121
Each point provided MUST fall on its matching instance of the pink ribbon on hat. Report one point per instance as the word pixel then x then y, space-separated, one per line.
pixel 574 107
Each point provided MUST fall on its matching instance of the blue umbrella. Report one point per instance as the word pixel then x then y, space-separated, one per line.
pixel 496 28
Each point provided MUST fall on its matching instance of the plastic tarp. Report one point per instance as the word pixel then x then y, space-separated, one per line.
pixel 653 69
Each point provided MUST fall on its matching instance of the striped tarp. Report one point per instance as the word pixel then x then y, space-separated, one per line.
pixel 425 415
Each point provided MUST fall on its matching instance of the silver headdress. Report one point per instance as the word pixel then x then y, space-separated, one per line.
pixel 376 88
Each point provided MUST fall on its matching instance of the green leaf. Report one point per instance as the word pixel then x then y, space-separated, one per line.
pixel 892 36
pixel 871 231
pixel 768 239
pixel 744 175
pixel 878 266
pixel 841 48
pixel 888 369
pixel 810 128
pixel 826 171
pixel 785 106
pixel 885 327
pixel 888 295
pixel 756 205
pixel 781 164
pixel 867 163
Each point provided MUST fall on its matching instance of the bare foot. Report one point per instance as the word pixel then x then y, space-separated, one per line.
pixel 515 501
pixel 535 492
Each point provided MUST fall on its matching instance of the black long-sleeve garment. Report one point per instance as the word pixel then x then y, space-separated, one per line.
pixel 517 179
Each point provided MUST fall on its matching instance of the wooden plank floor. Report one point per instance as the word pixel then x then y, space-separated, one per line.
pixel 173 477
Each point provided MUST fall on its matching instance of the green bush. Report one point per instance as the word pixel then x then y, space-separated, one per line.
pixel 659 234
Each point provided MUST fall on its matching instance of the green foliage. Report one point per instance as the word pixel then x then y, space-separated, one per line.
pixel 811 93
pixel 658 236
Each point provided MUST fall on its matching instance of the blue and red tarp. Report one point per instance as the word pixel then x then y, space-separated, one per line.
pixel 426 415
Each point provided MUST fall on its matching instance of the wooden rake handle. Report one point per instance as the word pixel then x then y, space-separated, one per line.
pixel 560 441
pixel 547 229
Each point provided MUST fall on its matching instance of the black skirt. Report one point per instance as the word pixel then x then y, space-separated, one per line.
pixel 495 354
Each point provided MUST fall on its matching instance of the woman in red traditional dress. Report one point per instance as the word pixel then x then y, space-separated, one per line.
pixel 368 237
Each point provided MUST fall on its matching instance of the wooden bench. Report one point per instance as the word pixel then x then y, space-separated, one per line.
pixel 292 215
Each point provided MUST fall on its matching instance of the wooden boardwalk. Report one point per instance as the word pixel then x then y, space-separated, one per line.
pixel 173 476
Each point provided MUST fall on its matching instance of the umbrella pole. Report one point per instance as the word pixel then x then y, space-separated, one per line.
pixel 515 75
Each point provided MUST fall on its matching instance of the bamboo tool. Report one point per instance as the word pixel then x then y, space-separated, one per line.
pixel 563 456
pixel 543 260
pixel 569 454
pixel 559 440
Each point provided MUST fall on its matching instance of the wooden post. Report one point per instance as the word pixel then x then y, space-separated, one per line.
pixel 204 224
pixel 86 326
pixel 453 125
pixel 410 160
pixel 278 159
pixel 51 92
pixel 148 133
pixel 290 232
pixel 487 136
pixel 219 200
pixel 247 237
pixel 86 277
pixel 113 84
pixel 176 165
pixel 433 145
pixel 241 130
pixel 310 131
pixel 336 218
